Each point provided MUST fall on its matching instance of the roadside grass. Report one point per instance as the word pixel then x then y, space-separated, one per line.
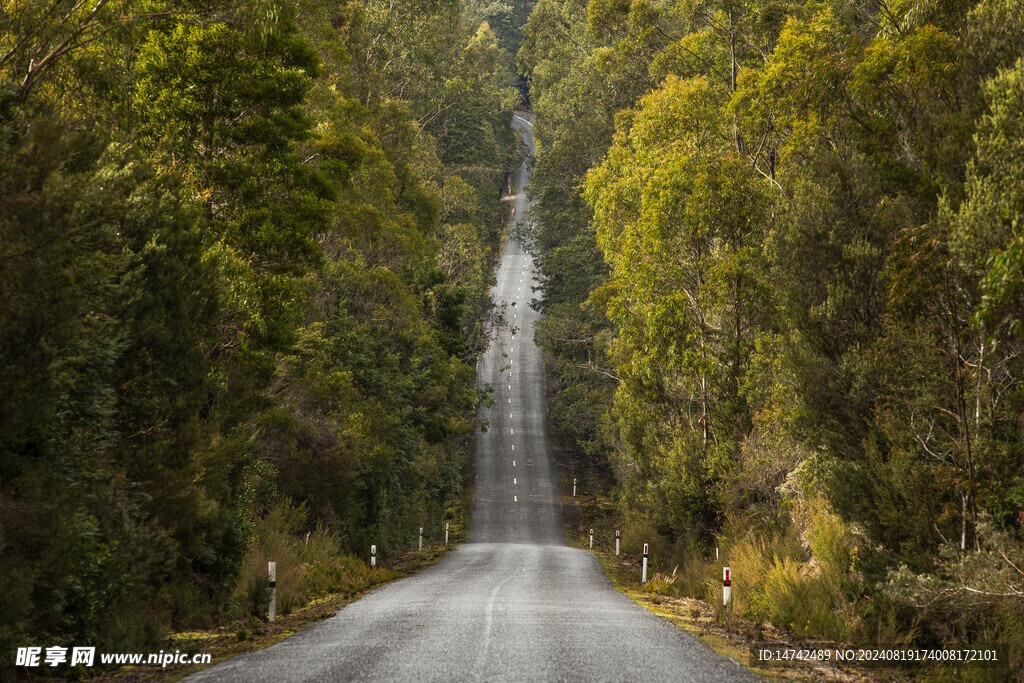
pixel 669 595
pixel 341 579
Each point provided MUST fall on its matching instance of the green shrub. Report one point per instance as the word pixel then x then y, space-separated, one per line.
pixel 636 531
pixel 750 559
pixel 694 572
pixel 274 543
pixel 802 604
pixel 831 546
pixel 343 574
pixel 775 579
pixel 662 584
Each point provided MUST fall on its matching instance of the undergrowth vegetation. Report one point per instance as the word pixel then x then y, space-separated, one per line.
pixel 309 566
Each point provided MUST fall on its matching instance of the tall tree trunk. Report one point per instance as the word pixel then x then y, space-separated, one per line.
pixel 733 74
pixel 965 428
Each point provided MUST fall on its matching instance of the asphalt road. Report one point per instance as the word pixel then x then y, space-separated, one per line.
pixel 515 602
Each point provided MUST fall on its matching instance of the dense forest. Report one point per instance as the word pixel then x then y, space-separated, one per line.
pixel 245 253
pixel 784 294
pixel 245 249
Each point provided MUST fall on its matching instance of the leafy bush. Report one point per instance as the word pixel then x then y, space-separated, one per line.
pixel 275 542
pixel 800 603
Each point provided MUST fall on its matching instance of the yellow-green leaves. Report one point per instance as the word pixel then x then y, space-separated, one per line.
pixel 680 218
pixel 789 105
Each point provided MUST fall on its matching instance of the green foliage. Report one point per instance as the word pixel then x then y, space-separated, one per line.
pixel 800 604
pixel 501 19
pixel 968 596
pixel 245 276
pixel 678 216
pixel 308 566
pixel 809 218
pixel 574 124
pixel 989 221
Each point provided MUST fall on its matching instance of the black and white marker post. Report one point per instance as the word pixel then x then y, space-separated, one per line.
pixel 272 578
pixel 373 556
pixel 573 488
pixel 643 578
pixel 616 542
pixel 421 539
pixel 726 585
pixel 591 538
pixel 446 533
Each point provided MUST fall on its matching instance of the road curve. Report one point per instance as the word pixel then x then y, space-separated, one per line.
pixel 515 602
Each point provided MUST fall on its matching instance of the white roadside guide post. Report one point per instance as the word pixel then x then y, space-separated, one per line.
pixel 272 576
pixel 446 533
pixel 421 538
pixel 643 578
pixel 373 556
pixel 573 488
pixel 616 542
pixel 591 538
pixel 726 585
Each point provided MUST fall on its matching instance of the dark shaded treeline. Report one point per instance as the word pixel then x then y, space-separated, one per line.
pixel 244 261
pixel 783 253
